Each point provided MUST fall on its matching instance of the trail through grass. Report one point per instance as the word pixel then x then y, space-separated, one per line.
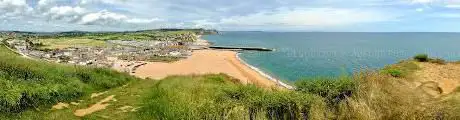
pixel 32 84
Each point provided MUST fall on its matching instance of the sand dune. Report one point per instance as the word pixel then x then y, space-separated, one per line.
pixel 205 62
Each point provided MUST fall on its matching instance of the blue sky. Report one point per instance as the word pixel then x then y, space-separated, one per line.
pixel 232 15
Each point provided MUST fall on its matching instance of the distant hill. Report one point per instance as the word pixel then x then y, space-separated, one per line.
pixel 77 32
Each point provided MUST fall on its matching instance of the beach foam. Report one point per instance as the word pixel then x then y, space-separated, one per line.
pixel 263 73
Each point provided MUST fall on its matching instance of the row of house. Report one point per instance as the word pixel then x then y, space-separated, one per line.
pixel 99 56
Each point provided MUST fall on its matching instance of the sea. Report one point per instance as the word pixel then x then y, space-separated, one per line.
pixel 301 55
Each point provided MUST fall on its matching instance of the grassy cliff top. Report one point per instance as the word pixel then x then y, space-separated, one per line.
pixel 30 88
pixel 26 84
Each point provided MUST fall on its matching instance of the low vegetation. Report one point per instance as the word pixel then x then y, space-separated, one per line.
pixel 159 35
pixel 407 67
pixel 401 69
pixel 426 58
pixel 382 95
pixel 438 61
pixel 216 97
pixel 332 89
pixel 367 95
pixel 65 43
pixel 421 58
pixel 28 83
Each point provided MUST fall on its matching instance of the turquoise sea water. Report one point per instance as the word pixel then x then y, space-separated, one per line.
pixel 309 54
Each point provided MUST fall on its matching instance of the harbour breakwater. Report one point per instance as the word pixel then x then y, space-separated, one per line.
pixel 241 48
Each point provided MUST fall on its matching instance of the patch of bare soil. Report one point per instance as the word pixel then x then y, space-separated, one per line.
pixel 101 105
pixel 98 94
pixel 128 109
pixel 436 79
pixel 60 106
pixel 74 103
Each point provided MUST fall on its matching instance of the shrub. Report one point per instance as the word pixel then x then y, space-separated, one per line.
pixel 394 72
pixel 401 69
pixel 332 89
pixel 421 57
pixel 438 61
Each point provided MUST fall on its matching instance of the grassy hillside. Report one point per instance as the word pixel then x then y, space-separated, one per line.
pixel 369 95
pixel 26 83
pixel 181 35
pixel 29 88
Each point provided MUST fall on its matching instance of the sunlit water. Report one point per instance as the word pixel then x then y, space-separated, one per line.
pixel 308 54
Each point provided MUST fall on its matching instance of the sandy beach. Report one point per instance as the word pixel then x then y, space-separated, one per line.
pixel 207 62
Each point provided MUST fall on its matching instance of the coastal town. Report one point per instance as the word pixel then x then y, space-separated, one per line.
pixel 145 54
pixel 121 54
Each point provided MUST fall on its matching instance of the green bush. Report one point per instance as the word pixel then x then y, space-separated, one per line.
pixel 394 72
pixel 438 61
pixel 401 69
pixel 332 89
pixel 421 57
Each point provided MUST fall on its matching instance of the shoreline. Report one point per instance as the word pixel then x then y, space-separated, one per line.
pixel 210 61
pixel 258 70
pixel 280 83
pixel 207 62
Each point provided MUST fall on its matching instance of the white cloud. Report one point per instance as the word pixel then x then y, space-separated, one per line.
pixel 45 2
pixel 86 2
pixel 102 17
pixel 144 14
pixel 204 24
pixel 109 18
pixel 14 8
pixel 65 12
pixel 137 20
pixel 310 17
pixel 449 15
pixel 419 9
pixel 80 13
pixel 453 6
pixel 423 1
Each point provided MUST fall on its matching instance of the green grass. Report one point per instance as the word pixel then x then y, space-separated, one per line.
pixel 215 97
pixel 70 42
pixel 27 84
pixel 368 95
pixel 394 72
pixel 29 88
pixel 403 69
pixel 332 89
pixel 426 58
pixel 141 35
pixel 89 39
